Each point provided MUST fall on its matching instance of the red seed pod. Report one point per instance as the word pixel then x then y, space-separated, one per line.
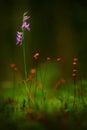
pixel 59 59
pixel 74 70
pixel 32 71
pixel 75 59
pixel 36 56
pixel 12 65
pixel 48 58
pixel 16 69
pixel 74 75
pixel 74 63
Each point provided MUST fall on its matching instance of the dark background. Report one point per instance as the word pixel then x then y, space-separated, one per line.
pixel 58 29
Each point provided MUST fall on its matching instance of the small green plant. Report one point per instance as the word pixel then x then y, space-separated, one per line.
pixel 74 74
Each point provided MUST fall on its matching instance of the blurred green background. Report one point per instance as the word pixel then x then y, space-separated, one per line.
pixel 58 29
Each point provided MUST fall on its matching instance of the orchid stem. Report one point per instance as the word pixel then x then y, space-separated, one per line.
pixel 23 45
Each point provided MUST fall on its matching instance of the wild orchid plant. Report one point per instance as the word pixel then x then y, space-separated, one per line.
pixel 20 38
pixel 20 41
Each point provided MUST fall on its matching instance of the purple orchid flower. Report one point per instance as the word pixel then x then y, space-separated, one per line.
pixel 26 18
pixel 26 25
pixel 19 38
